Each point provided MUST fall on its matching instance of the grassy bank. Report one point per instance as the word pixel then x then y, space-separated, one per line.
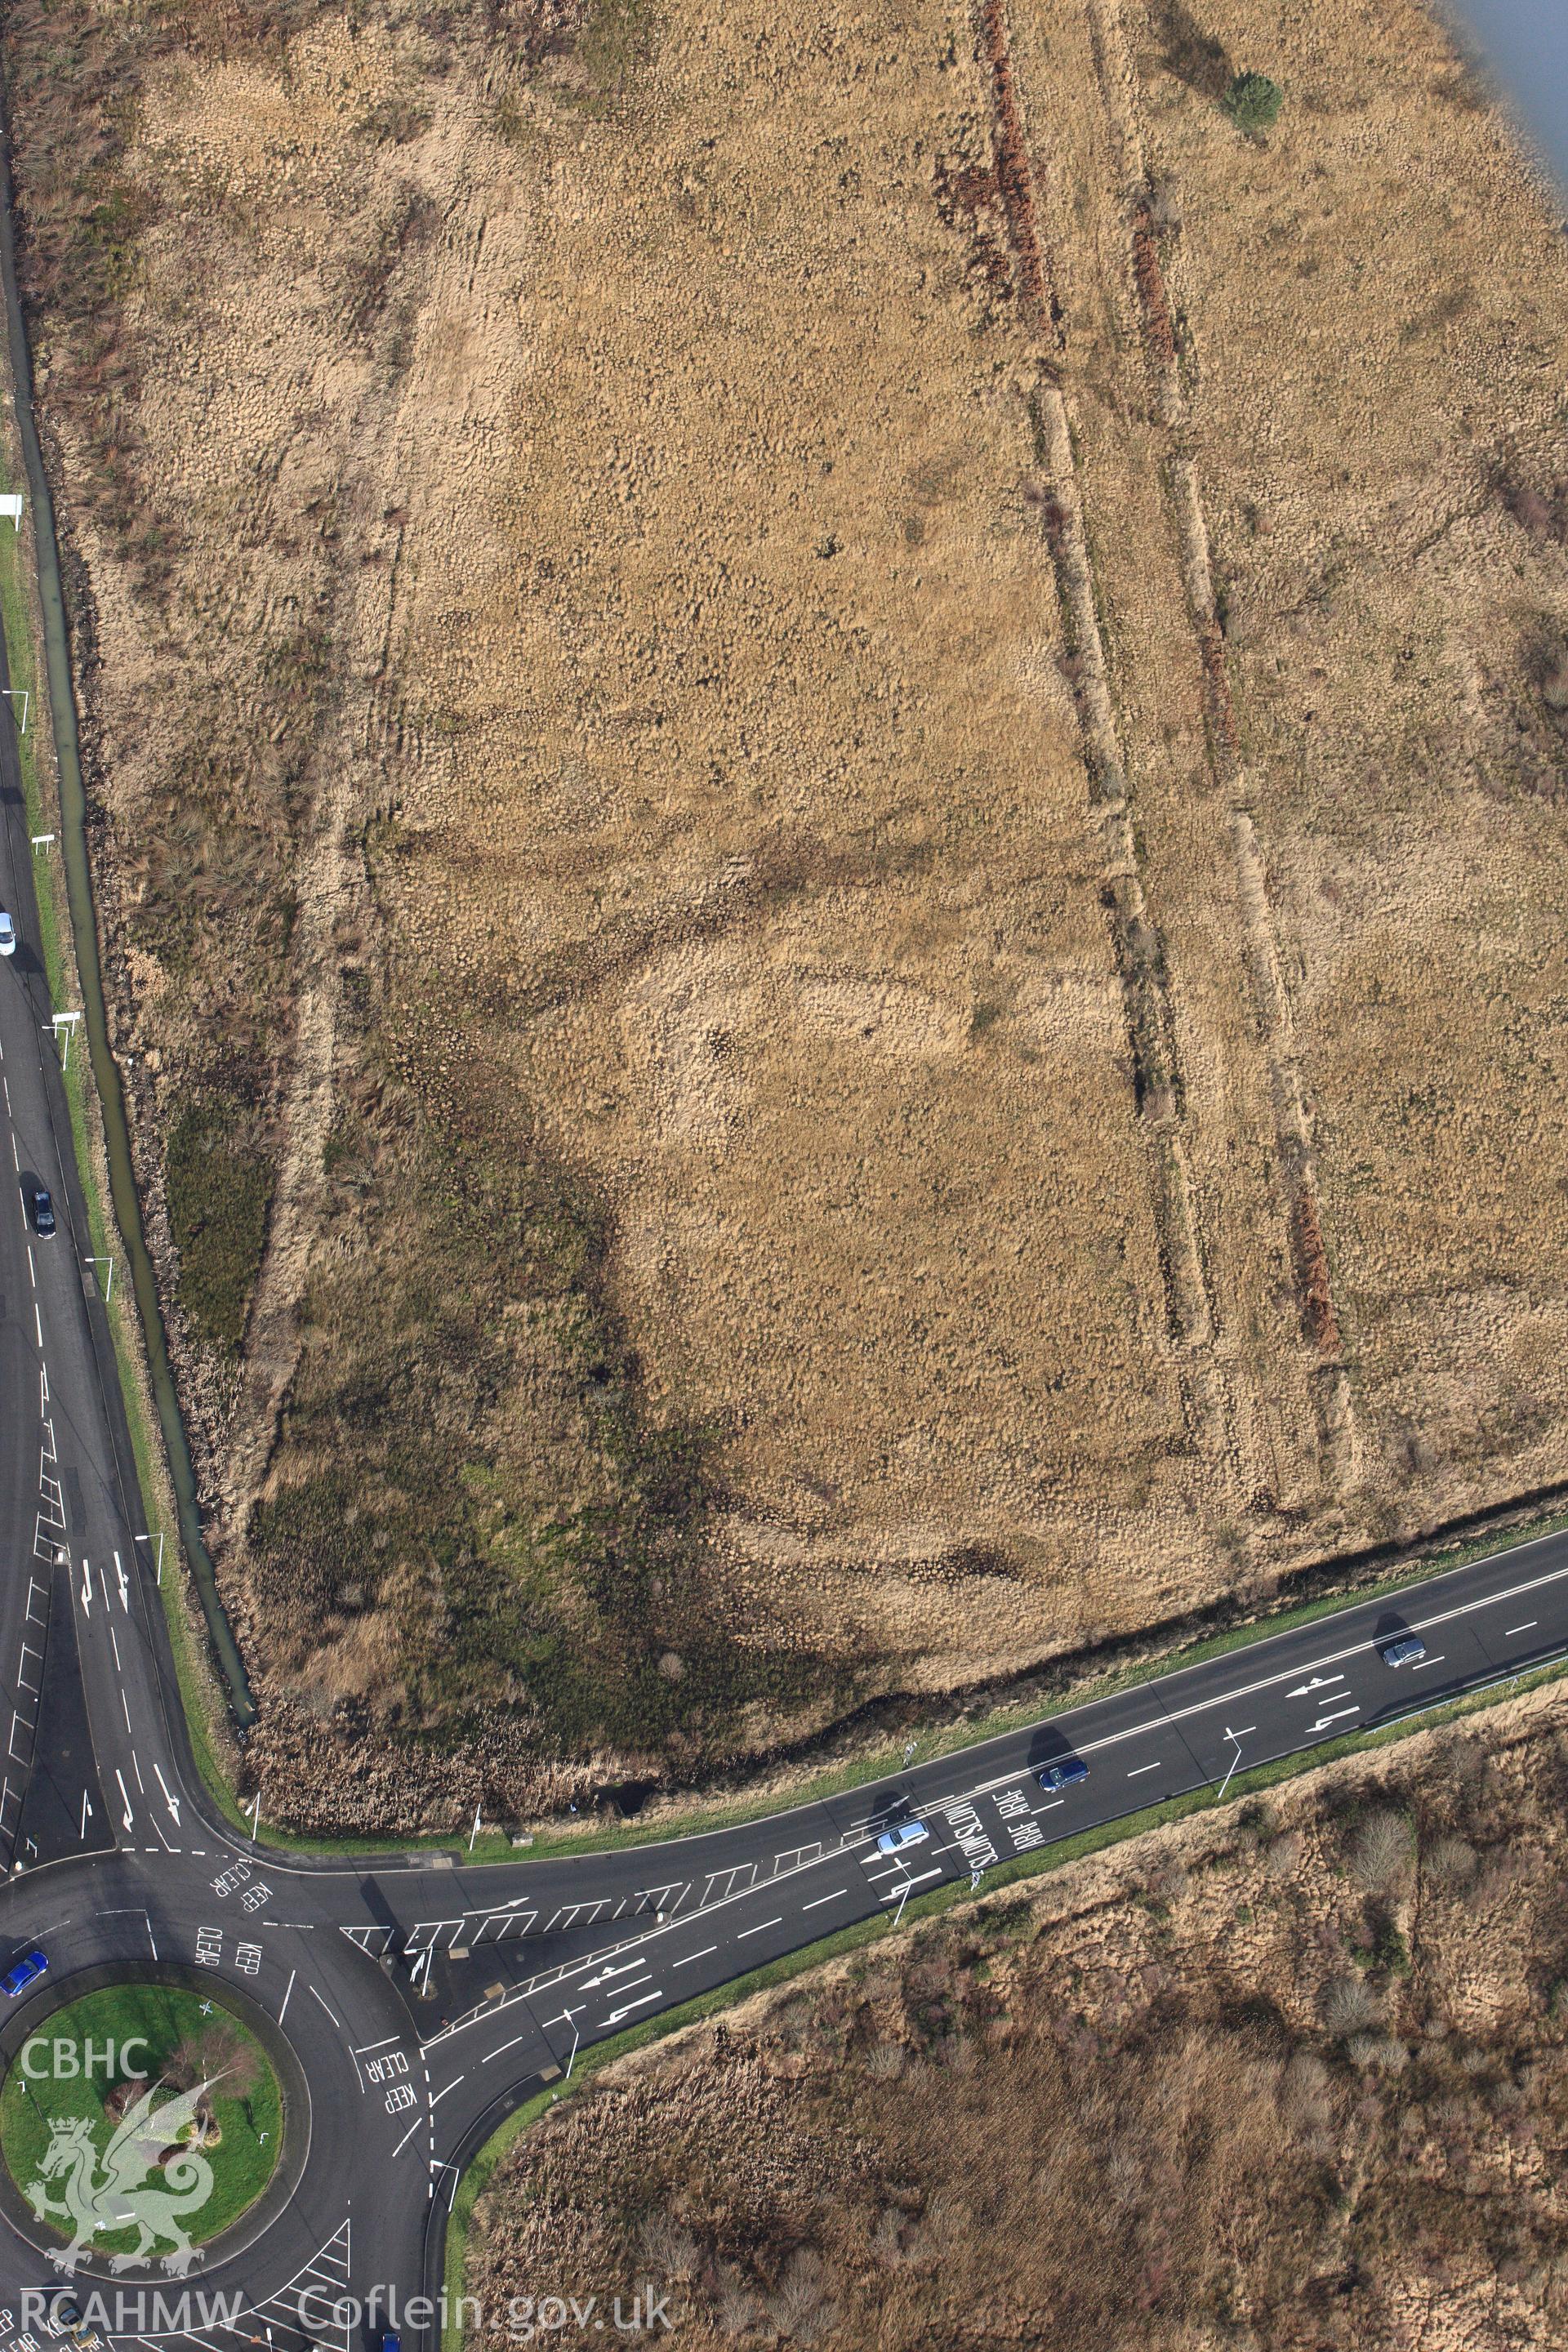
pixel 494 1845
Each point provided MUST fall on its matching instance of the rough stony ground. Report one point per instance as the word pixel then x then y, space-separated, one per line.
pixel 828 774
pixel 1292 2078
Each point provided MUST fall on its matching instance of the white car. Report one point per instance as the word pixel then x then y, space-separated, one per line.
pixel 7 934
pixel 902 1834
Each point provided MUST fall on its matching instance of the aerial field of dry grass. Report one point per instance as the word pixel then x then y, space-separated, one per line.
pixel 829 770
pixel 1291 2080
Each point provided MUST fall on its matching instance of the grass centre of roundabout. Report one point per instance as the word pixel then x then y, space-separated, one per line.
pixel 146 2099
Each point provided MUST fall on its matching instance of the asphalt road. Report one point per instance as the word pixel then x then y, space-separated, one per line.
pixel 424 1999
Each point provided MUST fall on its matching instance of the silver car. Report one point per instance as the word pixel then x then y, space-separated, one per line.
pixel 902 1834
pixel 7 934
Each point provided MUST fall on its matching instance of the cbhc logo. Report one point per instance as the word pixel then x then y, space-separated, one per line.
pixel 66 2060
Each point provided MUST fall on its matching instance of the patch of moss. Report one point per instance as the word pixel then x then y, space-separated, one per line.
pixel 469 1452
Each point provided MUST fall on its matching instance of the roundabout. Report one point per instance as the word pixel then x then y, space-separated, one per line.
pixel 145 2118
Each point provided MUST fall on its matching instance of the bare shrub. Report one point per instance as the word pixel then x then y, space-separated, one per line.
pixel 799 2306
pixel 887 2240
pixel 1125 2175
pixel 183 2069
pixel 1452 1861
pixel 1163 206
pixel 671 2249
pixel 1381 2050
pixel 1282 1857
pixel 1168 1879
pixel 1384 1849
pixel 736 2308
pixel 1304 2095
pixel 884 2060
pixel 1348 2007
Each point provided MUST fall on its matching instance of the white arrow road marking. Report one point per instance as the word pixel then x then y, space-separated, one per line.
pixel 172 1802
pixel 615 2015
pixel 1319 1681
pixel 86 1590
pixel 1324 1720
pixel 124 1588
pixel 125 1793
pixel 628 1968
pixel 901 1892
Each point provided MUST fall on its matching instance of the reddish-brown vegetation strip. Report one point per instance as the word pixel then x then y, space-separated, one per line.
pixel 1014 175
pixel 1152 299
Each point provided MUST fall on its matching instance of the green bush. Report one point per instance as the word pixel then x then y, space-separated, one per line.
pixel 1253 102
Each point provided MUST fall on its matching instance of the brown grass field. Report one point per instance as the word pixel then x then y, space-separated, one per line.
pixel 829 770
pixel 1293 2079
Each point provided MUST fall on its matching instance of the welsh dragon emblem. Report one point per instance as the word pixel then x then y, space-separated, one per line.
pixel 114 2191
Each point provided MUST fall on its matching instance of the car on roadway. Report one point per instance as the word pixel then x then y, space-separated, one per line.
pixel 25 1972
pixel 902 1834
pixel 1403 1650
pixel 43 1214
pixel 65 2312
pixel 1064 1774
pixel 389 2342
pixel 7 934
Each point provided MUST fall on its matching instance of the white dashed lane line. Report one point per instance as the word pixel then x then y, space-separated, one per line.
pixel 1137 1768
pixel 818 1900
pixel 757 1930
pixel 1528 1627
pixel 705 1954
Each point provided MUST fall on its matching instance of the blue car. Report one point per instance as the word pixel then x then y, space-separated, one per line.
pixel 17 1980
pixel 1065 1775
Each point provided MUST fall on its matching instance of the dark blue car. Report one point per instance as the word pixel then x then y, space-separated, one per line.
pixel 17 1980
pixel 1065 1775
